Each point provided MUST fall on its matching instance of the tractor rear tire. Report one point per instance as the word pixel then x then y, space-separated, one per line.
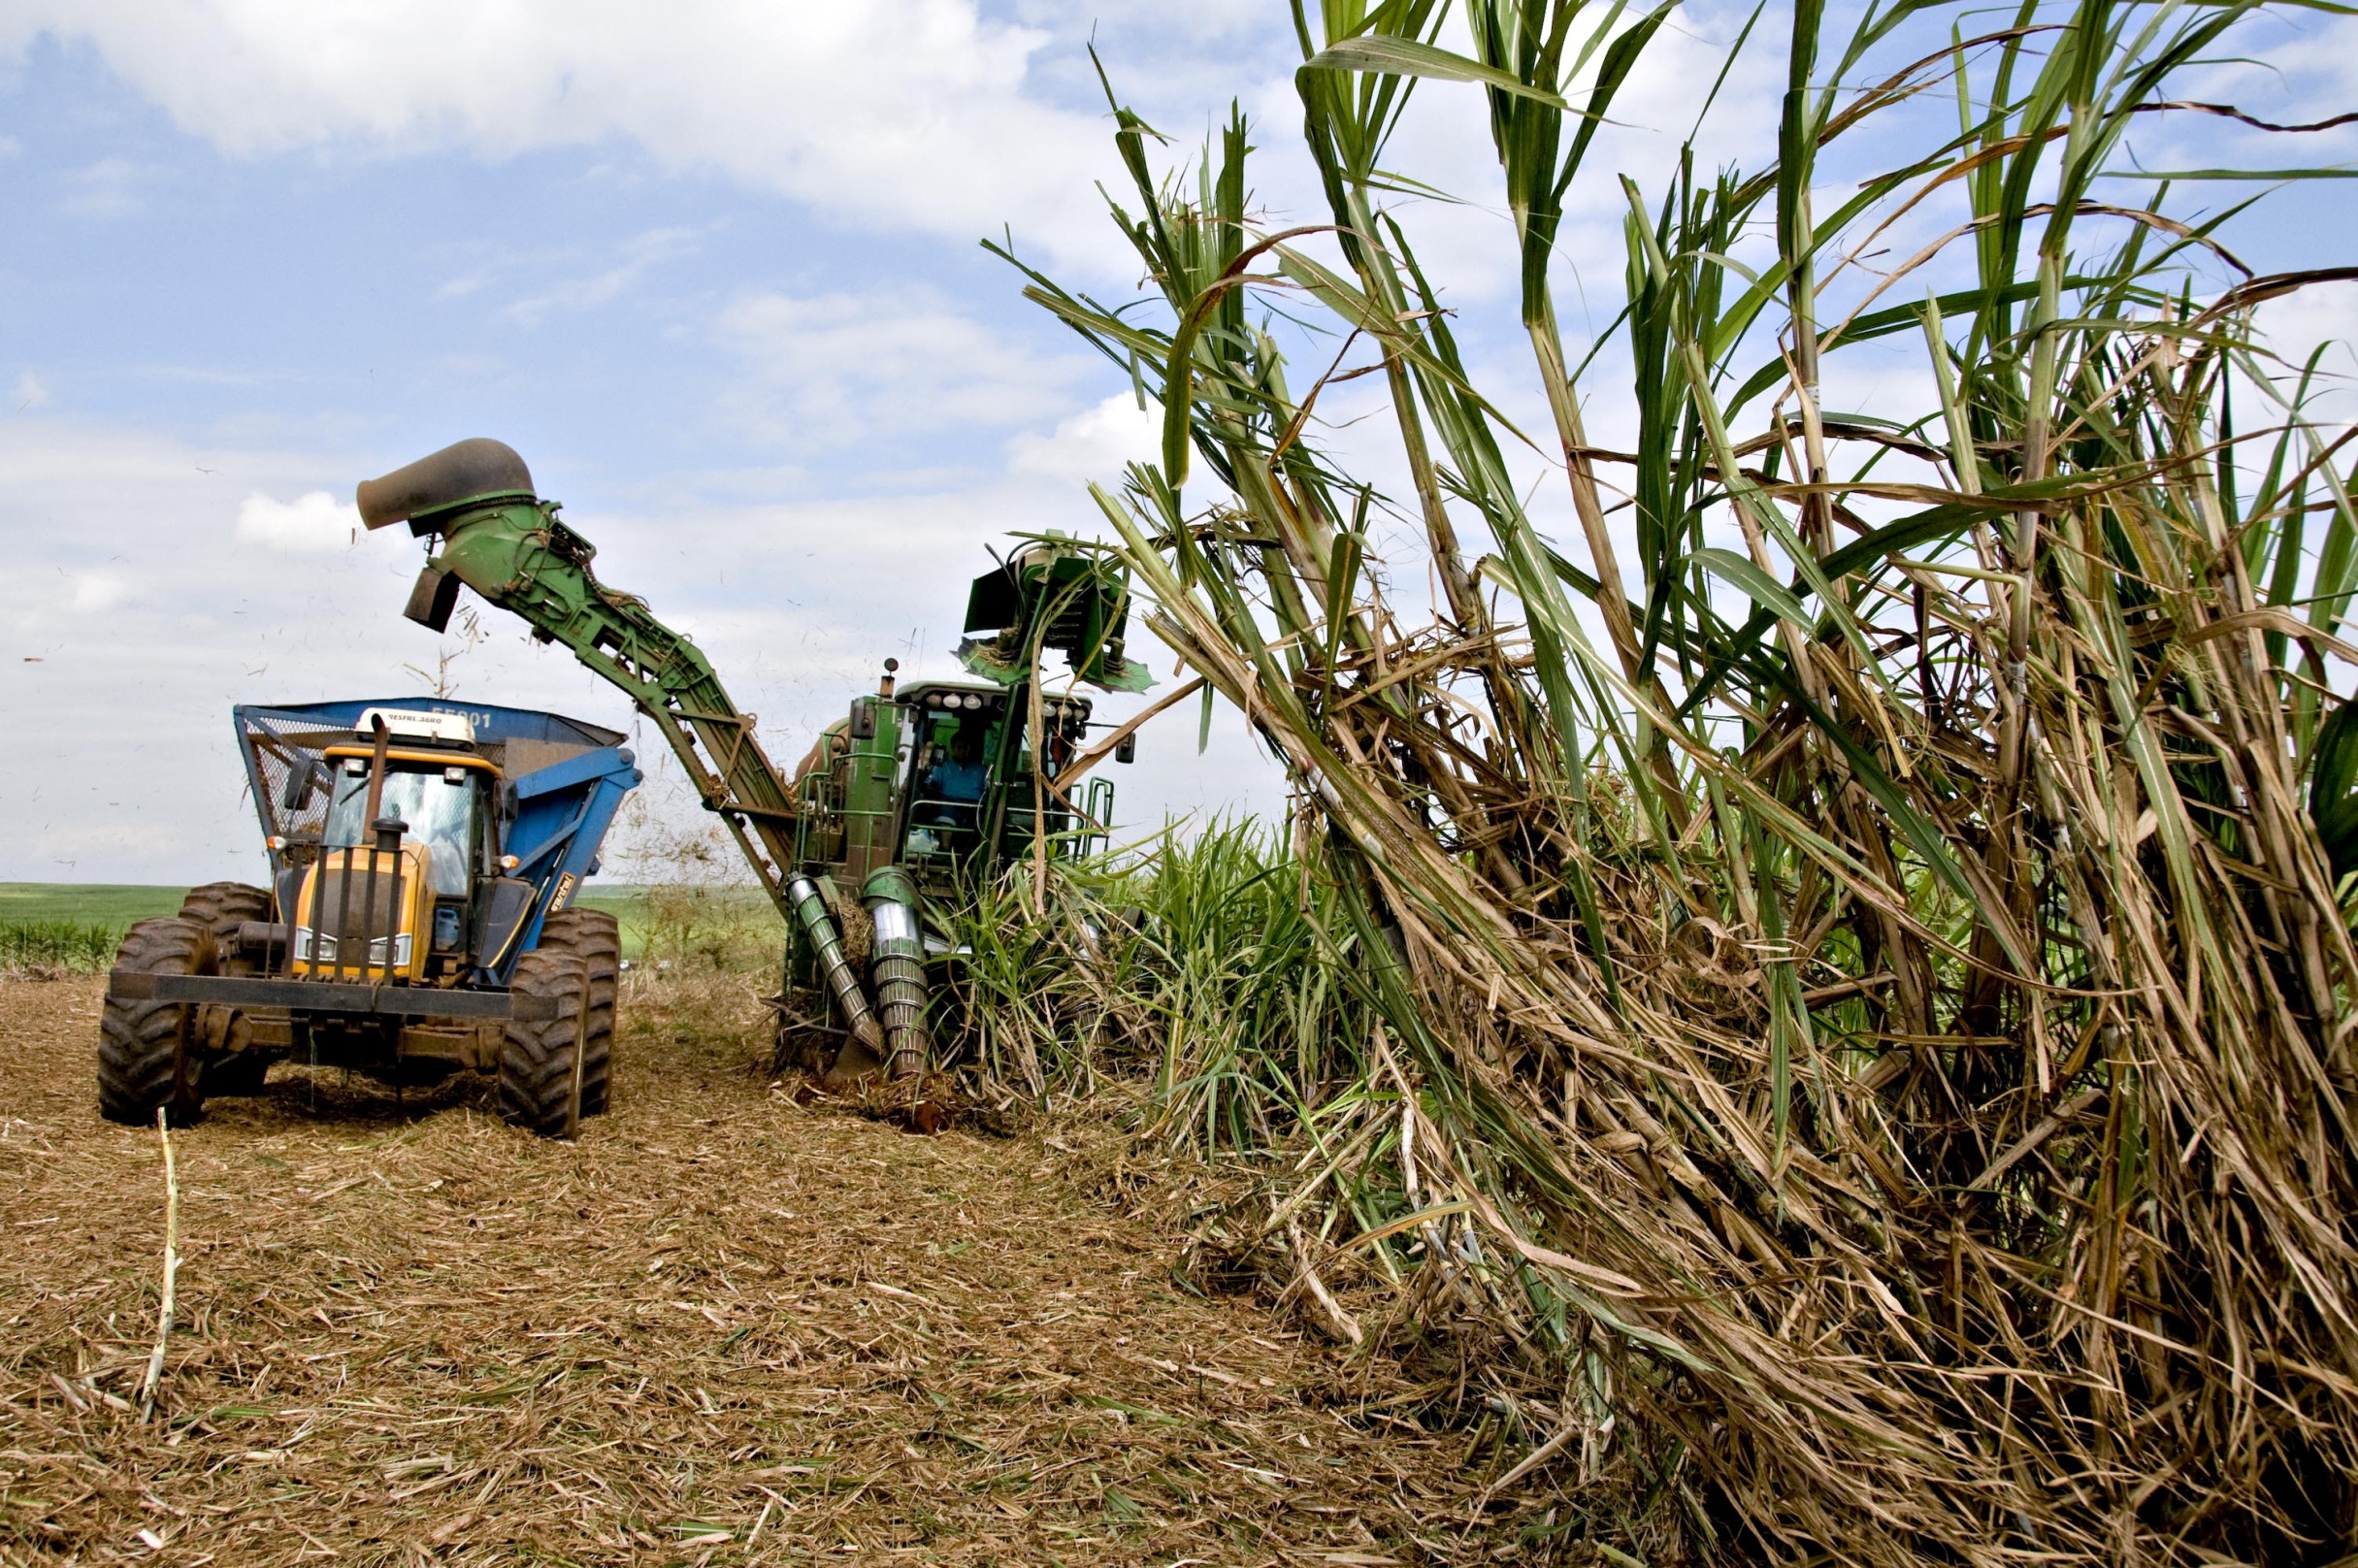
pixel 148 1055
pixel 221 907
pixel 536 1061
pixel 592 936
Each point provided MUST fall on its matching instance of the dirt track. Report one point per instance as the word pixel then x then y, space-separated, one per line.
pixel 721 1329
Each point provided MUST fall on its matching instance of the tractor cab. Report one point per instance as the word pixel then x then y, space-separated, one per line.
pixel 407 821
pixel 446 802
pixel 445 797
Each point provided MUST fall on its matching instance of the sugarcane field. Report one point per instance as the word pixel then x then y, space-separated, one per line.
pixel 1007 782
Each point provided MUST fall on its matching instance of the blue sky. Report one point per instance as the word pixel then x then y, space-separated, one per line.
pixel 711 268
pixel 768 368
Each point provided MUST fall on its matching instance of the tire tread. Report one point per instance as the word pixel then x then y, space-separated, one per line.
pixel 138 1040
pixel 593 937
pixel 221 907
pixel 537 1058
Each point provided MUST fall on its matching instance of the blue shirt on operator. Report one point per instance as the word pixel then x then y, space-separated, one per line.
pixel 954 780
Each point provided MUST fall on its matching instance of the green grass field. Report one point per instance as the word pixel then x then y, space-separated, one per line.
pixel 49 926
pixel 75 925
pixel 93 904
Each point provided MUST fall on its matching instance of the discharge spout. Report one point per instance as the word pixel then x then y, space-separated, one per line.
pixel 467 472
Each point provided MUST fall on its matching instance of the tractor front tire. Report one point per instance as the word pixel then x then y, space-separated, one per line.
pixel 536 1061
pixel 148 1055
pixel 592 936
pixel 221 907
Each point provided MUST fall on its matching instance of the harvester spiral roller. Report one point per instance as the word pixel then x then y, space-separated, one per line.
pixel 897 968
pixel 864 1050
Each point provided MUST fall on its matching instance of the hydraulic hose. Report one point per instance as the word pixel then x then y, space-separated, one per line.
pixel 865 1052
pixel 896 966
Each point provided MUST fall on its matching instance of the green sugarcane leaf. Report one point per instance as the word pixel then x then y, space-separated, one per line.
pixel 1877 323
pixel 1342 574
pixel 2336 772
pixel 2337 831
pixel 1179 375
pixel 1765 591
pixel 1380 55
pixel 1337 294
pixel 2333 787
pixel 1620 58
pixel 1934 524
pixel 2334 173
pixel 1919 834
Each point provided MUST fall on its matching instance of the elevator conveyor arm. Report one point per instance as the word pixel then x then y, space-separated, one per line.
pixel 506 543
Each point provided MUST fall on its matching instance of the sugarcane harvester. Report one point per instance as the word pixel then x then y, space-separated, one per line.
pixel 899 809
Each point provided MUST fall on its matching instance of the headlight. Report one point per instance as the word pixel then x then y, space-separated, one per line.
pixel 312 948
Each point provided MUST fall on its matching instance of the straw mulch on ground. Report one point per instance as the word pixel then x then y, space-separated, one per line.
pixel 723 1328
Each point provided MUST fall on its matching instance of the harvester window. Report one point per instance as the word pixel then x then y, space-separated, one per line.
pixel 950 790
pixel 438 805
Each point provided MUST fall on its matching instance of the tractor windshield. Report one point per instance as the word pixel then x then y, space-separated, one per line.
pixel 439 803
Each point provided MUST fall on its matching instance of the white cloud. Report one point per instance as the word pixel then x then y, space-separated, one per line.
pixel 638 255
pixel 833 368
pixel 782 597
pixel 1198 20
pixel 2295 326
pixel 31 391
pixel 95 591
pixel 1092 444
pixel 910 112
pixel 2289 68
pixel 311 524
pixel 108 188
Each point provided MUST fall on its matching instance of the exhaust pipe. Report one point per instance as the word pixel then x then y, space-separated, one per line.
pixel 896 965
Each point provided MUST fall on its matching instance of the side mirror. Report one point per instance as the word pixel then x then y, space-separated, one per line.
pixel 1126 751
pixel 863 726
pixel 509 801
pixel 300 783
